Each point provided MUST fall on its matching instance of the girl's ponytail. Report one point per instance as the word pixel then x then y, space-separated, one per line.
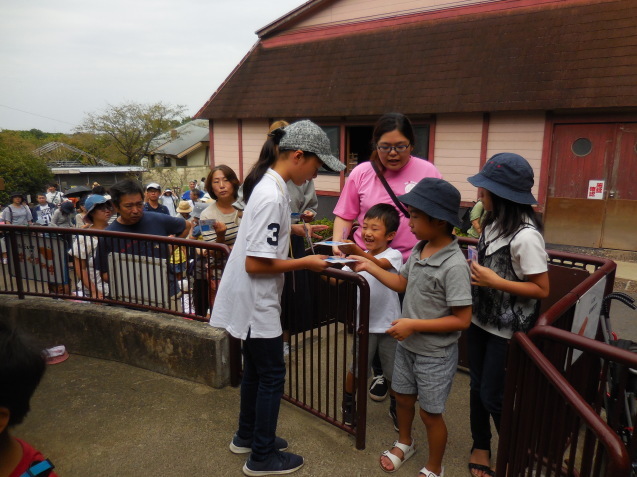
pixel 267 156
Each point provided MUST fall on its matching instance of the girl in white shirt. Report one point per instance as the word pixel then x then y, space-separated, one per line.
pixel 248 300
pixel 509 278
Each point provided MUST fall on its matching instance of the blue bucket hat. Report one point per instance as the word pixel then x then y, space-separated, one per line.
pixel 507 175
pixel 435 197
pixel 94 200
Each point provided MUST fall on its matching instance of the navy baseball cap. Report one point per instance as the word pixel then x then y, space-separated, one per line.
pixel 436 198
pixel 507 175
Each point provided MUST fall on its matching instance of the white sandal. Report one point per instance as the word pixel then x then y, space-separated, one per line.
pixel 427 473
pixel 408 451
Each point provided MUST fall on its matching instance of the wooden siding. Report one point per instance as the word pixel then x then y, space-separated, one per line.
pixel 328 183
pixel 226 143
pixel 457 150
pixel 522 134
pixel 254 135
pixel 364 10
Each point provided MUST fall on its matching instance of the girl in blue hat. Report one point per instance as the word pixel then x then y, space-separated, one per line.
pixel 509 278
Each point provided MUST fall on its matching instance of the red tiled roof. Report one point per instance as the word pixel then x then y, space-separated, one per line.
pixel 557 57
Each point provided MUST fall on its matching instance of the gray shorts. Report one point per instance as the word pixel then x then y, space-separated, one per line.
pixel 428 377
pixel 386 346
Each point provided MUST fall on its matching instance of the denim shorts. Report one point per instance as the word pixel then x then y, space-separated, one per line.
pixel 427 376
pixel 386 346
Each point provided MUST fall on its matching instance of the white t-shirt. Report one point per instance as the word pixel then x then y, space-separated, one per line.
pixel 528 257
pixel 54 198
pixel 253 302
pixel 84 247
pixel 384 306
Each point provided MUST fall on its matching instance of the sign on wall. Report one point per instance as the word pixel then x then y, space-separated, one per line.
pixel 596 189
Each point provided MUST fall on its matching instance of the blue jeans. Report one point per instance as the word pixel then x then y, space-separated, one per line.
pixel 261 391
pixel 487 368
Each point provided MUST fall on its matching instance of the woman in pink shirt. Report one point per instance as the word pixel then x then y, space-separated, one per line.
pixel 393 139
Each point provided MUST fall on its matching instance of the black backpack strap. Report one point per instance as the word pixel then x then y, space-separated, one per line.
pixel 383 181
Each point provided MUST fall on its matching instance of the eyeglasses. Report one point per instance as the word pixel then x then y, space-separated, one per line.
pixel 387 149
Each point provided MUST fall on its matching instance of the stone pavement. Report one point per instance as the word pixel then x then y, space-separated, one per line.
pixel 93 417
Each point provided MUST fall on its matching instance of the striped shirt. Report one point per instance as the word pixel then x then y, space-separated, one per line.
pixel 232 221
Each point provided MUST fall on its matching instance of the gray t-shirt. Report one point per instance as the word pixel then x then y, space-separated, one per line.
pixel 434 285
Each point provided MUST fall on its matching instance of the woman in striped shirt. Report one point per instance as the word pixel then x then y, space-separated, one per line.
pixel 222 184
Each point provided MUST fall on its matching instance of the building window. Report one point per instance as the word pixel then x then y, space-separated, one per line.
pixel 582 147
pixel 167 161
pixel 421 148
pixel 359 148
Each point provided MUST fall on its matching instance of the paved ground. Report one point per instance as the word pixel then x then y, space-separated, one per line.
pixel 100 418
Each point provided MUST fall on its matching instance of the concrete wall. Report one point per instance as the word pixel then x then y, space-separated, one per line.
pixel 158 342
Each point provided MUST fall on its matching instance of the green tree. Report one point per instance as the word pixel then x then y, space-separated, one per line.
pixel 132 126
pixel 21 170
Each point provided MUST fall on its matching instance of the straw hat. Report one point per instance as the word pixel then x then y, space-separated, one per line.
pixel 184 207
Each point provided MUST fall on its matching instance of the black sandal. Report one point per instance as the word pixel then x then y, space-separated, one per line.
pixel 481 468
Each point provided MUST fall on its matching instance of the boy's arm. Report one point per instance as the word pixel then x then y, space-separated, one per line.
pixel 396 282
pixel 354 249
pixel 459 319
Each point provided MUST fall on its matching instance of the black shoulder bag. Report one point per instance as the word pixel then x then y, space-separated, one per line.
pixel 383 181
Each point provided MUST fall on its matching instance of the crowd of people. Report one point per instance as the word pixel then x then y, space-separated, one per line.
pixel 395 220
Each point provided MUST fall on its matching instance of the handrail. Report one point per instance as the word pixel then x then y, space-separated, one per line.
pixel 618 461
pixel 41 235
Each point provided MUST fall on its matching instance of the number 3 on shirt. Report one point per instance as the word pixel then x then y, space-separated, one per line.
pixel 273 237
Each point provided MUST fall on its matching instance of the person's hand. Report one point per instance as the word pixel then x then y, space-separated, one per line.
pixel 316 228
pixel 483 276
pixel 220 228
pixel 315 263
pixel 351 248
pixel 303 229
pixel 400 329
pixel 307 216
pixel 362 264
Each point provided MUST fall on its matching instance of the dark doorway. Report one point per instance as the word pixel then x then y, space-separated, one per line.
pixel 359 146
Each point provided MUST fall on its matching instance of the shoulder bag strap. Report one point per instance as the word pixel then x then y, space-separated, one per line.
pixel 383 181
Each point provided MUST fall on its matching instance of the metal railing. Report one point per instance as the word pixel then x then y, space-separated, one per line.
pixel 548 428
pixel 166 274
pixel 320 317
pixel 323 332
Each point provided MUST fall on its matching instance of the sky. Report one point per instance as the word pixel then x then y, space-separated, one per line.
pixel 62 59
